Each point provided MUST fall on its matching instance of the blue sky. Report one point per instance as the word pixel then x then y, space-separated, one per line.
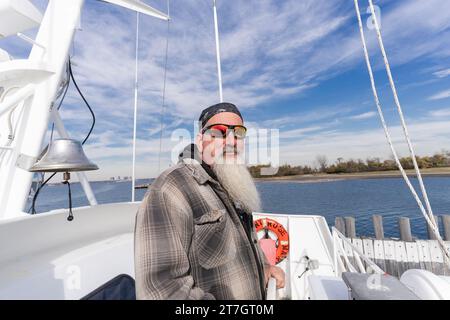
pixel 296 66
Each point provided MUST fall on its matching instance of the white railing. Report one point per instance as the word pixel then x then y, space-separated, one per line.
pixel 19 96
pixel 342 261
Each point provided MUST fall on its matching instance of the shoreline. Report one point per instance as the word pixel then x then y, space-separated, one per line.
pixel 323 177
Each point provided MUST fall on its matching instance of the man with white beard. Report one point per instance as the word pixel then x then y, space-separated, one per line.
pixel 194 233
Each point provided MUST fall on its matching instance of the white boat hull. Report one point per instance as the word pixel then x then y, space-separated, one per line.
pixel 46 257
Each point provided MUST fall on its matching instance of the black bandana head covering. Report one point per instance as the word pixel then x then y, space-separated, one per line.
pixel 211 111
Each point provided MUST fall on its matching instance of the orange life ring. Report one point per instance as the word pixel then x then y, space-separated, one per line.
pixel 281 233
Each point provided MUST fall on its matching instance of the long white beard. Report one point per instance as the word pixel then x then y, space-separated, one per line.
pixel 237 181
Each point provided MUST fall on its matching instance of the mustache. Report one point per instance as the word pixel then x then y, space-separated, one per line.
pixel 230 149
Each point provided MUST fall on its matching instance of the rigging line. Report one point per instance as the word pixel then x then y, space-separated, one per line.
pixel 133 175
pixel 70 217
pixel 388 136
pixel 400 112
pixel 42 183
pixel 85 101
pixel 216 33
pixel 33 204
pixel 164 88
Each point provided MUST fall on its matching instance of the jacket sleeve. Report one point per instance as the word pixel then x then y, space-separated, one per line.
pixel 162 240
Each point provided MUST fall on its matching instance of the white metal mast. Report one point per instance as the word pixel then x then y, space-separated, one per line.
pixel 54 39
pixel 216 32
pixel 133 176
pixel 46 63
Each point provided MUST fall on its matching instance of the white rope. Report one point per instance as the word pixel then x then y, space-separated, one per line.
pixel 164 88
pixel 216 33
pixel 429 220
pixel 133 175
pixel 400 112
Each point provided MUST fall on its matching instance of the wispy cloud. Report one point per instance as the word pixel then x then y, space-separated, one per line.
pixel 428 137
pixel 296 133
pixel 365 115
pixel 316 115
pixel 440 95
pixel 440 113
pixel 442 73
pixel 259 42
pixel 409 33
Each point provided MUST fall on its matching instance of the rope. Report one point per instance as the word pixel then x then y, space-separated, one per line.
pixel 400 112
pixel 164 88
pixel 70 217
pixel 429 220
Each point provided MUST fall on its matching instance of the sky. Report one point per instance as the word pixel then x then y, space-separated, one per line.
pixel 293 66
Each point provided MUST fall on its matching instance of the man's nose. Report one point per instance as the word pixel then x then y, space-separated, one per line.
pixel 230 138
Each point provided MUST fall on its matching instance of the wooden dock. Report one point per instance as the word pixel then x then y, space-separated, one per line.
pixel 393 255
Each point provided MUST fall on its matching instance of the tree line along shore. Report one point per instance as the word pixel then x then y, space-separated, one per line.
pixel 437 164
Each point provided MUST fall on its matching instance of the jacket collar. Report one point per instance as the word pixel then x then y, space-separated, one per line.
pixel 199 174
pixel 190 156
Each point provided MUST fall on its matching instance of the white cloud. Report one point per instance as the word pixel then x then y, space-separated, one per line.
pixel 440 113
pixel 295 133
pixel 442 73
pixel 259 42
pixel 363 116
pixel 322 114
pixel 409 33
pixel 428 137
pixel 440 95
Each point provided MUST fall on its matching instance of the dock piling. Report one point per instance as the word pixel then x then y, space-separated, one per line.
pixel 405 229
pixel 350 229
pixel 340 224
pixel 446 224
pixel 378 227
pixel 431 235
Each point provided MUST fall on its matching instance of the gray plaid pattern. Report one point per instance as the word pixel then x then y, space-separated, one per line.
pixel 190 242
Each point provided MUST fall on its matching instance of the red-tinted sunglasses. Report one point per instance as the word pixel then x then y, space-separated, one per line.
pixel 220 130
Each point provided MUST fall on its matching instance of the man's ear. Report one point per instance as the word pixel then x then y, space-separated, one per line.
pixel 199 142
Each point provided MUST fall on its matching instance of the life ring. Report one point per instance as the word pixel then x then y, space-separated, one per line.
pixel 281 233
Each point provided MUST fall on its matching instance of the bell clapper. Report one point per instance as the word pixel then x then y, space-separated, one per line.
pixel 66 178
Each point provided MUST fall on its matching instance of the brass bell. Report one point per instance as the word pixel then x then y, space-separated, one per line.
pixel 63 155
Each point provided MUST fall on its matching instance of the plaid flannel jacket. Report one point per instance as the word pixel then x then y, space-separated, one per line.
pixel 190 242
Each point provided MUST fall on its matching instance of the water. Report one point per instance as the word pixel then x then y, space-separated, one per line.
pixel 359 198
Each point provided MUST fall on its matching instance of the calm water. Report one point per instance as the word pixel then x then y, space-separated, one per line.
pixel 359 198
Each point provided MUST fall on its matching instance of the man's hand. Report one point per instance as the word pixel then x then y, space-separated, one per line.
pixel 277 273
